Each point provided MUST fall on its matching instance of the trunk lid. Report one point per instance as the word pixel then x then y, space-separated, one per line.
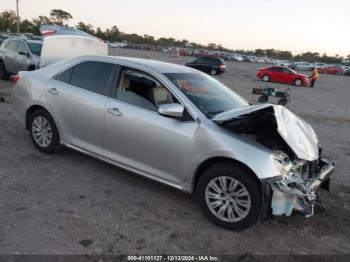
pixel 62 42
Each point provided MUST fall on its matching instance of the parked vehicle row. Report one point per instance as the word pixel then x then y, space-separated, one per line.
pixel 332 70
pixel 3 36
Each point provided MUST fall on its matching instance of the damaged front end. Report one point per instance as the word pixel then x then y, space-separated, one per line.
pixel 296 154
pixel 298 187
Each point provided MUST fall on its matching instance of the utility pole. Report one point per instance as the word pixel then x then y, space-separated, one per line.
pixel 17 16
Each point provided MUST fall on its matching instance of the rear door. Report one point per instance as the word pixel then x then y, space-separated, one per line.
pixel 21 57
pixel 77 99
pixel 139 137
pixel 208 64
pixel 10 55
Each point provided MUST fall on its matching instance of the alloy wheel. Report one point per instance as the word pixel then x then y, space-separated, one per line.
pixel 266 78
pixel 227 199
pixel 298 82
pixel 42 131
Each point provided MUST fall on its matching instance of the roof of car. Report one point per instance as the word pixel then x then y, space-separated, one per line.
pixel 154 65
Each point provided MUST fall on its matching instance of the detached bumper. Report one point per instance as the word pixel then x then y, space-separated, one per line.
pixel 293 192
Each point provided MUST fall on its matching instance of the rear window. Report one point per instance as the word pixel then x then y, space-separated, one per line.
pixel 216 61
pixel 65 76
pixel 92 76
pixel 12 45
pixel 35 48
pixel 276 69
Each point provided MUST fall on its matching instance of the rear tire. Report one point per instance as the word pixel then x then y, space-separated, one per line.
pixel 263 99
pixel 282 101
pixel 339 73
pixel 229 196
pixel 3 72
pixel 43 132
pixel 266 78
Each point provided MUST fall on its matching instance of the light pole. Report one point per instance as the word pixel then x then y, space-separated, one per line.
pixel 17 16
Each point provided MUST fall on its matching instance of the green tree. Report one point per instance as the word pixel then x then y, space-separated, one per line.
pixel 28 27
pixel 100 34
pixel 113 34
pixel 259 52
pixel 8 20
pixel 41 20
pixel 59 16
pixel 88 28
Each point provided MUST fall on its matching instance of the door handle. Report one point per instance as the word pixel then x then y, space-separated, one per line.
pixel 53 91
pixel 114 111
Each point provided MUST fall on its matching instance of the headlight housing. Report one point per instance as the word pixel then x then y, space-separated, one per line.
pixel 282 163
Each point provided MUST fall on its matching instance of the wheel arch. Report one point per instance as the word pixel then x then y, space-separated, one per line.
pixel 31 110
pixel 31 67
pixel 216 160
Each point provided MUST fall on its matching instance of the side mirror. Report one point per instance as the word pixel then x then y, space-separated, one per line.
pixel 172 110
pixel 23 53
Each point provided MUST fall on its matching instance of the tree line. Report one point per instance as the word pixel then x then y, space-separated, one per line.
pixel 8 21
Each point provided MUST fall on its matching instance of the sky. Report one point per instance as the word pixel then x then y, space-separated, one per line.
pixel 295 25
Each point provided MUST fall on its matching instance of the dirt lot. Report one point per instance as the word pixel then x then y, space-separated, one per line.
pixel 70 203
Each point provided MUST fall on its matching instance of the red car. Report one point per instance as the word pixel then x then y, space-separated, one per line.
pixel 281 74
pixel 332 70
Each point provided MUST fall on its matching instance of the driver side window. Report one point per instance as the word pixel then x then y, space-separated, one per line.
pixel 142 90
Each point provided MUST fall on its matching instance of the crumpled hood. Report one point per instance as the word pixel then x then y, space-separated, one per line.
pixel 298 134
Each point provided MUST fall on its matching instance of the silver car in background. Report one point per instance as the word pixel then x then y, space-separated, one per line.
pixel 18 54
pixel 180 127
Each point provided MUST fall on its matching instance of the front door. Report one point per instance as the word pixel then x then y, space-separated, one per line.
pixel 138 136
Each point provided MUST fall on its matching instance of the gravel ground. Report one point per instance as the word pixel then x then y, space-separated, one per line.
pixel 70 203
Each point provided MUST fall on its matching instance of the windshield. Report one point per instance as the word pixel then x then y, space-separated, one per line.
pixel 35 48
pixel 208 94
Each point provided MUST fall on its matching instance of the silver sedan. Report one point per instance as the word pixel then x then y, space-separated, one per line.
pixel 180 127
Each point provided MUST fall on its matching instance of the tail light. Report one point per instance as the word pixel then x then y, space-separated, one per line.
pixel 47 32
pixel 14 78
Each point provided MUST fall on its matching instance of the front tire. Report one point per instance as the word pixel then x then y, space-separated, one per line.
pixel 266 78
pixel 229 196
pixel 213 72
pixel 43 132
pixel 298 82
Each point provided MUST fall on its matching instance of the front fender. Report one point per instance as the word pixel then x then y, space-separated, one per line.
pixel 220 143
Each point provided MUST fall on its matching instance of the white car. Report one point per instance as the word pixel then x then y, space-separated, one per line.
pixel 304 66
